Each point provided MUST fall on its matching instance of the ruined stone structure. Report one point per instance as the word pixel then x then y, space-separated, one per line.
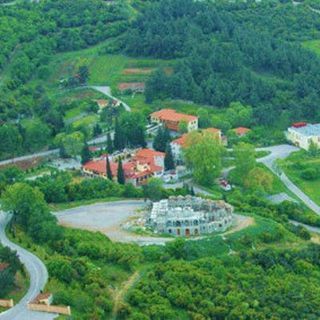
pixel 189 216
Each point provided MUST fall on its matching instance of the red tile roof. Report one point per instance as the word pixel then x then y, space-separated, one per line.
pixel 213 130
pixel 299 124
pixel 181 141
pixel 172 115
pixel 143 157
pixel 4 266
pixel 149 153
pixel 241 131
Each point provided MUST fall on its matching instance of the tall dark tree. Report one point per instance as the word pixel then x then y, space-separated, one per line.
pixel 85 154
pixel 168 159
pixel 108 170
pixel 161 139
pixel 120 173
pixel 119 138
pixel 109 143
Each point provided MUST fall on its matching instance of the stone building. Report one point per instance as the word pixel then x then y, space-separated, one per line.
pixel 190 216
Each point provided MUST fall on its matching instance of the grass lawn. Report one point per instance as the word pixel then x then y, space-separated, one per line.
pixel 313 45
pixel 295 164
pixel 87 121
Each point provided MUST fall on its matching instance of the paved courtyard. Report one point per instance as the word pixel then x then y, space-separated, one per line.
pixel 109 217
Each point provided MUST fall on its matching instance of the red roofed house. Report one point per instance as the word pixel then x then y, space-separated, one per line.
pixel 241 131
pixel 178 144
pixel 171 119
pixel 145 164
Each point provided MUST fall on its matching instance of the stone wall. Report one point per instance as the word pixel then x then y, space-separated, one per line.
pixel 51 309
pixel 6 303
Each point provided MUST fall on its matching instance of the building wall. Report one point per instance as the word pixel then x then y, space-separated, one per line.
pixel 301 140
pixel 193 125
pixel 6 303
pixel 50 309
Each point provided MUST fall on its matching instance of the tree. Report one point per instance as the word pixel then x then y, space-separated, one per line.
pixel 72 143
pixel 183 126
pixel 203 153
pixel 204 118
pixel 239 114
pixel 36 134
pixel 97 130
pixel 258 180
pixel 120 174
pixel 313 149
pixel 108 170
pixel 161 139
pixel 11 140
pixel 119 138
pixel 168 159
pixel 85 154
pixel 109 143
pixel 153 190
pixel 83 74
pixel 245 160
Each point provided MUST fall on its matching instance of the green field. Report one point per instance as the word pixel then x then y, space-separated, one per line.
pixel 295 164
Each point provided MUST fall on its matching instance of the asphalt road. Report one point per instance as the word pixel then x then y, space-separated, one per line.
pixel 281 152
pixel 38 278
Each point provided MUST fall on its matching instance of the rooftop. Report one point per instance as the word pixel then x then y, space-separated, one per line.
pixel 173 115
pixel 240 131
pixel 308 129
pixel 4 266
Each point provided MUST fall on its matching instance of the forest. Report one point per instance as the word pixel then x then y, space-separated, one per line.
pixel 228 52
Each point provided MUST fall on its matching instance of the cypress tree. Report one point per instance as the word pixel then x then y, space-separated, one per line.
pixel 109 143
pixel 168 159
pixel 119 138
pixel 120 173
pixel 192 191
pixel 108 170
pixel 85 154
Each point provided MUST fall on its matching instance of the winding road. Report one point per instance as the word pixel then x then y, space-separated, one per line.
pixel 38 279
pixel 282 152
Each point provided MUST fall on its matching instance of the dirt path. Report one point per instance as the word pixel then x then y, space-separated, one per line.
pixel 120 293
pixel 241 222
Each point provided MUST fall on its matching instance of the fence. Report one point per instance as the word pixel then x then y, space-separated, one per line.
pixel 50 309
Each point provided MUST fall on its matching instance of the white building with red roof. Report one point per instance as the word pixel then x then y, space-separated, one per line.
pixel 171 119
pixel 302 134
pixel 146 163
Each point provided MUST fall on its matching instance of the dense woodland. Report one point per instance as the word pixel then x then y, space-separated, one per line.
pixel 221 53
pixel 232 52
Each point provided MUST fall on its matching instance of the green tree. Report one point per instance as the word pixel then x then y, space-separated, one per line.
pixel 119 141
pixel 259 180
pixel 161 139
pixel 203 154
pixel 183 127
pixel 245 160
pixel 11 140
pixel 120 173
pixel 169 160
pixel 72 143
pixel 85 154
pixel 109 143
pixel 313 149
pixel 204 120
pixel 108 170
pixel 153 190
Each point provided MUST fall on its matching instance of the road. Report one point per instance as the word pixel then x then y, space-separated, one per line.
pixel 30 157
pixel 282 152
pixel 38 278
pixel 107 91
